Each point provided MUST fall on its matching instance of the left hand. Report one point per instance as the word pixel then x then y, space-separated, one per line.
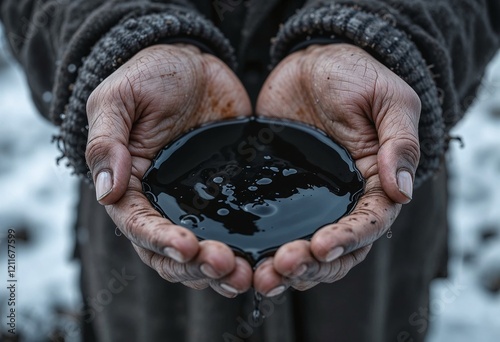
pixel 374 114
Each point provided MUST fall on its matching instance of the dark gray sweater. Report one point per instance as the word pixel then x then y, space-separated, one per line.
pixel 439 47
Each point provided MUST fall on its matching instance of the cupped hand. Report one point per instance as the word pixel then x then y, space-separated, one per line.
pixel 160 93
pixel 374 114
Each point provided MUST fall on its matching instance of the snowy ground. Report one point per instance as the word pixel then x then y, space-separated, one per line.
pixel 37 199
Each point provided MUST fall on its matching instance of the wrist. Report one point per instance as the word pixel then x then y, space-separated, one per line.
pixel 304 44
pixel 386 43
pixel 112 50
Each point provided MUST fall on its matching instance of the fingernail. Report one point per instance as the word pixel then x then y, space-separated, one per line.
pixel 229 289
pixel 405 184
pixel 103 185
pixel 299 271
pixel 276 291
pixel 173 253
pixel 334 253
pixel 208 271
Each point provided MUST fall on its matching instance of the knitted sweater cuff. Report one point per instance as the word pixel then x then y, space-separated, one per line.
pixel 390 46
pixel 123 41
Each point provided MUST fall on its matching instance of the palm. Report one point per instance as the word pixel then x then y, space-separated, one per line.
pixel 169 90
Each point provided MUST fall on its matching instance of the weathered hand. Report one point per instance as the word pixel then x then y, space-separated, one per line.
pixel 160 93
pixel 374 114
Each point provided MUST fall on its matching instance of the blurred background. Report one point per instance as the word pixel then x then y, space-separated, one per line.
pixel 38 199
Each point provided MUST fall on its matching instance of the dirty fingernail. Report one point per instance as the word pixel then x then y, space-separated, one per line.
pixel 405 184
pixel 276 291
pixel 229 289
pixel 173 253
pixel 103 185
pixel 334 253
pixel 208 271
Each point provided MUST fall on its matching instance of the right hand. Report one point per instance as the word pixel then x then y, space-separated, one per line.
pixel 161 92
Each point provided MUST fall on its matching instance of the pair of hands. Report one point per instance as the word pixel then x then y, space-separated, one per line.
pixel 166 89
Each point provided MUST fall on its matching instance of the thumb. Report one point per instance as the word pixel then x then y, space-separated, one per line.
pixel 107 154
pixel 399 151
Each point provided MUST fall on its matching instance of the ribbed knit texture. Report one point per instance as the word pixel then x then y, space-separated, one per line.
pixel 123 41
pixel 390 46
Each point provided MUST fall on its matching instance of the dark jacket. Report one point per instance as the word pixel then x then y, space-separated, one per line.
pixel 439 47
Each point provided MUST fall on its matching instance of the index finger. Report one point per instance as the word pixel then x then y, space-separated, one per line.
pixel 146 228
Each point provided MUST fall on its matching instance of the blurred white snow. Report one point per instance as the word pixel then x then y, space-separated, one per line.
pixel 38 197
pixel 467 305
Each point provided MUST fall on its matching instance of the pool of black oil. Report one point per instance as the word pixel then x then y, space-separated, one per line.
pixel 253 183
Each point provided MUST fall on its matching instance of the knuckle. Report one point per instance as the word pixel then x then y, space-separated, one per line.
pixel 153 236
pixel 328 272
pixel 142 229
pixel 215 246
pixel 360 255
pixel 168 269
pixel 96 152
pixel 412 100
pixel 304 285
pixel 176 272
pixel 349 236
pixel 196 284
pixel 345 265
pixel 292 248
pixel 98 95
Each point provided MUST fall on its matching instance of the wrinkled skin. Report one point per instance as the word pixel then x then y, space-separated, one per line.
pixel 374 114
pixel 165 90
pixel 160 93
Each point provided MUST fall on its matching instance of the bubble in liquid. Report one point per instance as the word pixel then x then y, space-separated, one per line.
pixel 267 157
pixel 262 210
pixel 218 180
pixel 190 220
pixel 227 191
pixel 253 188
pixel 222 212
pixel 200 188
pixel 288 172
pixel 264 181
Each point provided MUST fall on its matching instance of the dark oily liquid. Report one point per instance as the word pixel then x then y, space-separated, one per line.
pixel 253 183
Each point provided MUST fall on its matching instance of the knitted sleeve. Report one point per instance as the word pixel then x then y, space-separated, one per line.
pixel 439 47
pixel 79 43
